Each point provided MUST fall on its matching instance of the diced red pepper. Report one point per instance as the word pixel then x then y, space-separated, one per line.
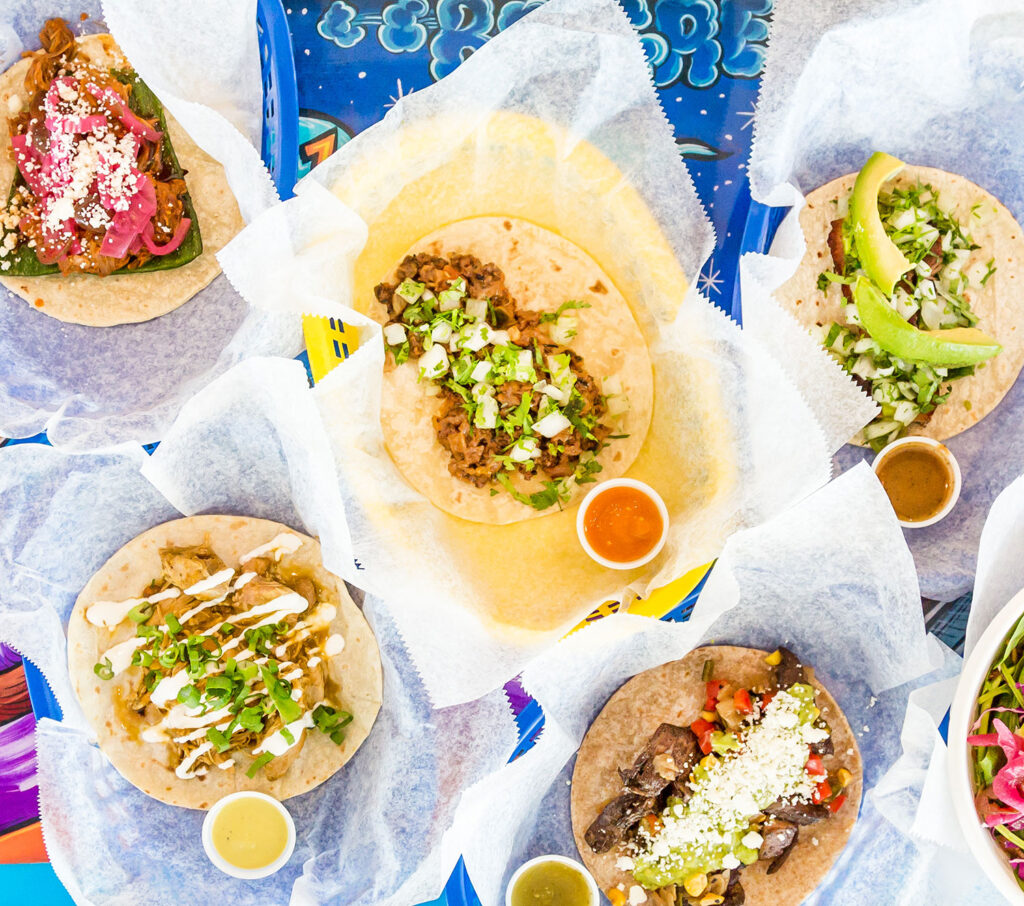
pixel 815 766
pixel 703 729
pixel 741 700
pixel 711 694
pixel 653 823
pixel 837 803
pixel 822 792
pixel 766 699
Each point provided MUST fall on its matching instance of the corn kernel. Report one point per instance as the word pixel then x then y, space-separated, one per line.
pixel 774 659
pixel 617 897
pixel 695 885
pixel 709 716
pixel 708 762
pixel 844 777
pixel 815 713
pixel 712 899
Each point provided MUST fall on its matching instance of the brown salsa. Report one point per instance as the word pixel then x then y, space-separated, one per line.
pixel 918 479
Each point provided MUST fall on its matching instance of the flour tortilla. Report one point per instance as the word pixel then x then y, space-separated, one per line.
pixel 126 298
pixel 999 304
pixel 674 693
pixel 356 671
pixel 542 271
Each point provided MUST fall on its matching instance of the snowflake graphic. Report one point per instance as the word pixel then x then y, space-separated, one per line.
pixel 710 280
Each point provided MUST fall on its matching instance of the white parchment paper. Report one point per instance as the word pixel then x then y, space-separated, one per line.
pixel 92 387
pixel 832 578
pixel 835 89
pixel 914 796
pixel 575 64
pixel 372 834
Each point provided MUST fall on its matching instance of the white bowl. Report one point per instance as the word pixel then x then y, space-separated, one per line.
pixel 947 455
pixel 247 874
pixel 986 851
pixel 595 894
pixel 622 483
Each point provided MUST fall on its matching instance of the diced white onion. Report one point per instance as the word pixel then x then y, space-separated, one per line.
pixel 905 413
pixel 480 390
pixel 481 371
pixel 486 415
pixel 564 329
pixel 442 332
pixel 475 337
pixel 552 424
pixel 434 362
pixel 524 450
pixel 449 300
pixel 476 309
pixel 395 334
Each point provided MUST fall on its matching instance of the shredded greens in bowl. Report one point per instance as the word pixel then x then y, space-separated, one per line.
pixel 996 755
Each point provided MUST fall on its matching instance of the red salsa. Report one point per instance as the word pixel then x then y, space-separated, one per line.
pixel 622 524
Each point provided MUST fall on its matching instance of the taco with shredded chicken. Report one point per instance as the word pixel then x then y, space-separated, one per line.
pixel 729 777
pixel 215 653
pixel 111 213
pixel 515 372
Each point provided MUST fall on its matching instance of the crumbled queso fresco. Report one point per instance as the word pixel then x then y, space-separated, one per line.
pixel 769 765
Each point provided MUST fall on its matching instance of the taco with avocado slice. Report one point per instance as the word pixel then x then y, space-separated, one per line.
pixel 730 776
pixel 515 372
pixel 947 257
pixel 215 653
pixel 112 214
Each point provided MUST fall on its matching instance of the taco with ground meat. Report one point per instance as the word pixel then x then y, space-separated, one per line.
pixel 961 264
pixel 215 653
pixel 515 372
pixel 730 776
pixel 110 214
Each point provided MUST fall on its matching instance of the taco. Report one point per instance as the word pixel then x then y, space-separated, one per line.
pixel 215 653
pixel 112 213
pixel 515 373
pixel 716 778
pixel 965 254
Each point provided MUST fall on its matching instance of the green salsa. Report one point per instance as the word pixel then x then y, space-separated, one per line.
pixel 551 884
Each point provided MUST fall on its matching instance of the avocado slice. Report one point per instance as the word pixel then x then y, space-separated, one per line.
pixel 954 348
pixel 880 257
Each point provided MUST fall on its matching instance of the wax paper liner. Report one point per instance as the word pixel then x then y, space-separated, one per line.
pixel 733 439
pixel 372 834
pixel 831 577
pixel 915 796
pixel 92 387
pixel 934 82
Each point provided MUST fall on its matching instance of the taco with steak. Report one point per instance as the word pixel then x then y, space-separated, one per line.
pixel 216 653
pixel 515 371
pixel 730 776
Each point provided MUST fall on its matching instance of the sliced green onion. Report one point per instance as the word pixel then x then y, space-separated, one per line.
pixel 105 670
pixel 173 624
pixel 258 763
pixel 220 739
pixel 189 696
pixel 141 612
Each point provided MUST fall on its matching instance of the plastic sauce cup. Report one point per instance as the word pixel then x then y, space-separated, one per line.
pixel 596 492
pixel 595 895
pixel 940 451
pixel 230 868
